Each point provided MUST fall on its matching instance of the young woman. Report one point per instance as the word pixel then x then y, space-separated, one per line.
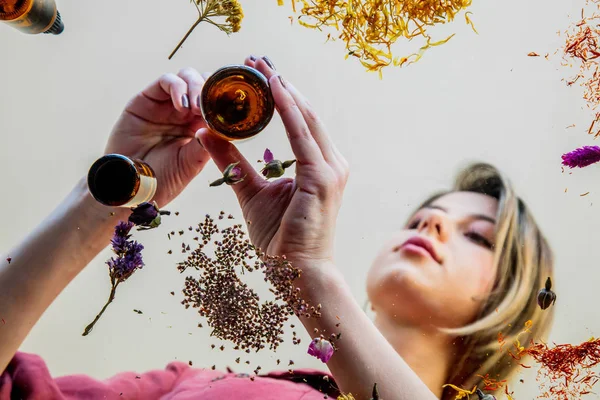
pixel 467 265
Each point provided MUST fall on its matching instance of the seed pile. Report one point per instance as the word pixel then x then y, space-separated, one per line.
pixel 233 310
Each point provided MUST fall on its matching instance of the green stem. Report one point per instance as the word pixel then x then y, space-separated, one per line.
pixel 89 328
pixel 186 36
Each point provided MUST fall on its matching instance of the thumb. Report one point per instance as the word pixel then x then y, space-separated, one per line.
pixel 225 153
pixel 193 157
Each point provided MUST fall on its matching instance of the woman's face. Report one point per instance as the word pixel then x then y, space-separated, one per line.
pixel 438 270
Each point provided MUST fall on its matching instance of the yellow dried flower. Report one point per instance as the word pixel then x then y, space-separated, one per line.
pixel 370 27
pixel 344 396
pixel 210 9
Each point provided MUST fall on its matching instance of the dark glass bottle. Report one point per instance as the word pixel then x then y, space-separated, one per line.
pixel 118 181
pixel 32 16
pixel 236 102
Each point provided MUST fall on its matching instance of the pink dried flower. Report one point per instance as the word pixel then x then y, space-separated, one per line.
pixel 582 157
pixel 231 176
pixel 321 348
pixel 274 168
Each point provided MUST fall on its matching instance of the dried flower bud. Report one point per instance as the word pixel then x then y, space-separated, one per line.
pixel 320 348
pixel 147 215
pixel 483 396
pixel 581 157
pixel 546 297
pixel 231 176
pixel 274 168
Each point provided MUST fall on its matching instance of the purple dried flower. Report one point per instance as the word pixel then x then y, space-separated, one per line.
pixel 321 348
pixel 582 157
pixel 122 229
pixel 128 260
pixel 231 176
pixel 147 215
pixel 274 168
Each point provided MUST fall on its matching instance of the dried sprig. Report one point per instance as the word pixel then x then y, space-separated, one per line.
pixel 121 267
pixel 370 27
pixel 208 10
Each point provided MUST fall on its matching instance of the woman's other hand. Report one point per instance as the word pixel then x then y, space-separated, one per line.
pixel 159 125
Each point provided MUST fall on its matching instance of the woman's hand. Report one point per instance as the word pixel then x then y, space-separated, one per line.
pixel 291 217
pixel 159 125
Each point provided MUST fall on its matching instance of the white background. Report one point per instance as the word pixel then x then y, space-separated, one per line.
pixel 479 97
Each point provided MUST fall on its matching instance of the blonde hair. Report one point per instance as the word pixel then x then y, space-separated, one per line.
pixel 524 261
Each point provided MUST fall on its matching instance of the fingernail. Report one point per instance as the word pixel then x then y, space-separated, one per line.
pixel 269 63
pixel 185 100
pixel 198 101
pixel 252 58
pixel 281 81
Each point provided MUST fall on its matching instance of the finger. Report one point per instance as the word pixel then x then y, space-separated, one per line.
pixel 194 82
pixel 250 61
pixel 169 86
pixel 193 158
pixel 303 143
pixel 314 123
pixel 225 153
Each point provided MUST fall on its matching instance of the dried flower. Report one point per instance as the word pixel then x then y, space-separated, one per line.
pixel 147 215
pixel 462 393
pixel 582 157
pixel 127 261
pixel 210 9
pixel 370 27
pixel 483 396
pixel 321 348
pixel 546 297
pixel 274 168
pixel 231 176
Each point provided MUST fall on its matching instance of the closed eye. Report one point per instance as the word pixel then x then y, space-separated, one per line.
pixel 479 239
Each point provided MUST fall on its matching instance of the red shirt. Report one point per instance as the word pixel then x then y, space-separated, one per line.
pixel 27 377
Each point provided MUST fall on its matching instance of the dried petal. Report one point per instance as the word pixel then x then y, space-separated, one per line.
pixel 321 348
pixel 268 156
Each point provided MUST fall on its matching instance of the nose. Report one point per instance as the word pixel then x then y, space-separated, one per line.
pixel 435 223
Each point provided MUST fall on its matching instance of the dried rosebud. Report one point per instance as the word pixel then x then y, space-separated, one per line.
pixel 546 297
pixel 274 168
pixel 483 396
pixel 320 348
pixel 147 215
pixel 581 157
pixel 231 176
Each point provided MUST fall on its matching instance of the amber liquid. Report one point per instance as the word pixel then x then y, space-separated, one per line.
pixel 31 16
pixel 237 102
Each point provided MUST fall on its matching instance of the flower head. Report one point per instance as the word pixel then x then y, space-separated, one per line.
pixel 274 168
pixel 582 157
pixel 321 348
pixel 231 176
pixel 546 297
pixel 147 215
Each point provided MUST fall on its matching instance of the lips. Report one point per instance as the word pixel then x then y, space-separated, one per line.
pixel 418 242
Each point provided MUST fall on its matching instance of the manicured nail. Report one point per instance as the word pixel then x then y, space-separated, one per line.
pixel 198 101
pixel 253 58
pixel 269 63
pixel 281 81
pixel 185 100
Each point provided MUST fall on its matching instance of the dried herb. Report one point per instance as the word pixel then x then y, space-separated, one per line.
pixel 581 157
pixel 274 168
pixel 369 28
pixel 128 260
pixel 462 393
pixel 232 175
pixel 208 10
pixel 581 47
pixel 233 310
pixel 546 297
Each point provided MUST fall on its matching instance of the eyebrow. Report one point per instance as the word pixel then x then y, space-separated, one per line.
pixel 475 216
